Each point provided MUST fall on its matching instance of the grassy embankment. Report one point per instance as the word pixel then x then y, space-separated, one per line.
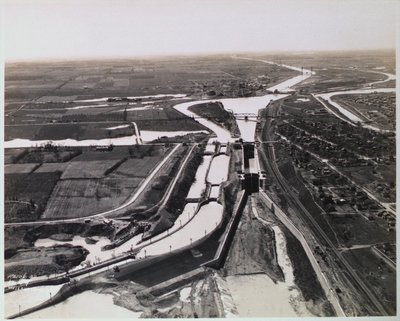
pixel 304 274
pixel 166 217
pixel 215 112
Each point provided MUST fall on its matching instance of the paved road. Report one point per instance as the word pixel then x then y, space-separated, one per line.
pixel 386 206
pixel 317 230
pixel 171 187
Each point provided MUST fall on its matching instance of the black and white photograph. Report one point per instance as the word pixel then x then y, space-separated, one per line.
pixel 198 158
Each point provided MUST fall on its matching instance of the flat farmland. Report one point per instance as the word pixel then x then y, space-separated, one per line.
pixel 26 195
pixel 11 155
pixel 45 156
pixel 364 60
pixel 358 230
pixel 338 70
pixel 83 169
pixel 376 273
pixel 86 183
pixel 137 167
pixel 166 119
pixel 95 182
pixel 45 82
pixel 19 168
pixel 85 197
pixel 51 167
pixel 78 131
pixel 46 102
pixel 117 153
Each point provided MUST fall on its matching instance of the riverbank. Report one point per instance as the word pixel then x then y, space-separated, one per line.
pixel 305 277
pixel 215 112
pixel 211 217
pixel 43 261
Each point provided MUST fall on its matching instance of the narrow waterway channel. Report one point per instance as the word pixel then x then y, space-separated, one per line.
pixel 257 295
pixel 198 186
pixel 197 227
pixel 86 305
pixel 145 136
pixel 354 118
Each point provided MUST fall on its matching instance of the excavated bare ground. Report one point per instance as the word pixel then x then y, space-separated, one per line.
pixel 253 249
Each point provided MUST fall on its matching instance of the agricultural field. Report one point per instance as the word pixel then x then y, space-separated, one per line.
pixel 26 195
pixel 44 102
pixel 166 119
pixel 11 156
pixel 85 80
pixel 90 182
pixel 358 230
pixel 87 170
pixel 84 197
pixel 376 273
pixel 95 181
pixel 338 69
pixel 137 167
pixel 41 156
pixel 95 123
pixel 157 189
pixel 77 131
pixel 20 168
pixel 379 60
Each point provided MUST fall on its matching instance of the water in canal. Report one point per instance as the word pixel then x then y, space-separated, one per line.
pixel 28 298
pixel 258 296
pixel 198 186
pixel 89 305
pixel 203 223
pixel 146 135
pixel 219 169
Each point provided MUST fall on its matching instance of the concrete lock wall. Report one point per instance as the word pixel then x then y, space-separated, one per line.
pixel 227 239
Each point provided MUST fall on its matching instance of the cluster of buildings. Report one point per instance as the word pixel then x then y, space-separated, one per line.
pixel 381 108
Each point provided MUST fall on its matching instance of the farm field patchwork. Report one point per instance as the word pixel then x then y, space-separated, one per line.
pixel 136 167
pixel 314 165
pixel 89 183
pixel 92 169
pixel 51 167
pixel 85 197
pixel 88 186
pixel 26 195
pixel 375 272
pixel 19 168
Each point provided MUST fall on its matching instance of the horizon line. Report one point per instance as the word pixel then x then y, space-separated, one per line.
pixel 153 56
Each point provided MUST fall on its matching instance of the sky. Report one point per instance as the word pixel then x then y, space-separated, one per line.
pixel 68 29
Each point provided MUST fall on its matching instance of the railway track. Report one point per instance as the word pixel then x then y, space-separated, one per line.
pixel 376 307
pixel 267 152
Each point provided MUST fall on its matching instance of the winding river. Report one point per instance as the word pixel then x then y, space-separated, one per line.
pixel 195 227
pixel 354 118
